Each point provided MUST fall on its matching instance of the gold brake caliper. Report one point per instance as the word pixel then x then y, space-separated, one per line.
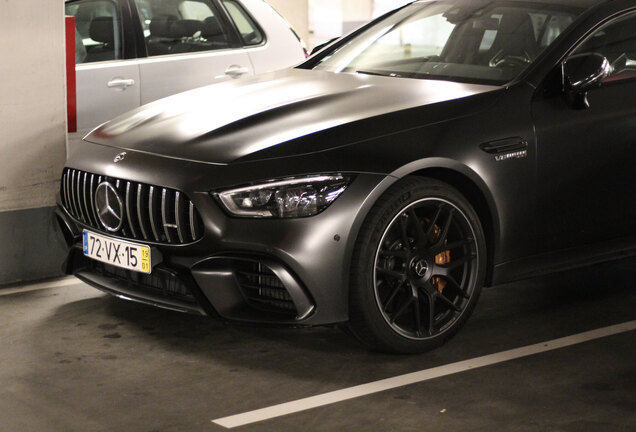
pixel 441 258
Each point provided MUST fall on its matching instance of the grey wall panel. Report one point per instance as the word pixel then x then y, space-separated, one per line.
pixel 31 247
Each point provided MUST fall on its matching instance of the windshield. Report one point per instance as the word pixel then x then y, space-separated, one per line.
pixel 475 41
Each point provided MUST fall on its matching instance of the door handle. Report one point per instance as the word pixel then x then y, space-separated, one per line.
pixel 235 71
pixel 120 82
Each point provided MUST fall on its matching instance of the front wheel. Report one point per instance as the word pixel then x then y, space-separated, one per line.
pixel 418 267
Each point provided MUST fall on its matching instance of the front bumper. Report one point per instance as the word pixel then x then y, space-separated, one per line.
pixel 290 271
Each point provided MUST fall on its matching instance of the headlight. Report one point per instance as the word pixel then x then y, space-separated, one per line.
pixel 297 197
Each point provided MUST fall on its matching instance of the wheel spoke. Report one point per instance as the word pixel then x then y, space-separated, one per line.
pixel 391 273
pixel 402 309
pixel 432 223
pixel 419 232
pixel 453 284
pixel 418 317
pixel 458 243
pixel 388 302
pixel 393 253
pixel 445 269
pixel 441 247
pixel 442 237
pixel 431 314
pixel 403 231
pixel 449 303
pixel 460 261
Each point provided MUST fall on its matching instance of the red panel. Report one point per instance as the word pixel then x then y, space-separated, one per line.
pixel 71 99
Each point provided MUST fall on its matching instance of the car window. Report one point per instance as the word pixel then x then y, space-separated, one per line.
pixel 248 29
pixel 180 26
pixel 549 27
pixel 617 42
pixel 478 43
pixel 97 30
pixel 411 41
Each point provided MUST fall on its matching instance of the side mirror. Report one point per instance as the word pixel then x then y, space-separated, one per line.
pixel 581 73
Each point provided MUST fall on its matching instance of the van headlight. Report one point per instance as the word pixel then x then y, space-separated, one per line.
pixel 289 198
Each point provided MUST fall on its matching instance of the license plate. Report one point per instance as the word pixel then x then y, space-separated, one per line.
pixel 131 256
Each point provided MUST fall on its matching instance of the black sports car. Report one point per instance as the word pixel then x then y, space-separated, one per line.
pixel 446 146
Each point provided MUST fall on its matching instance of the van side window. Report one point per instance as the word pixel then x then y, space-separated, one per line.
pixel 250 33
pixel 97 30
pixel 180 26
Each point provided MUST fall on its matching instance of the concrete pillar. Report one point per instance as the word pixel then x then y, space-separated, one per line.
pixel 32 136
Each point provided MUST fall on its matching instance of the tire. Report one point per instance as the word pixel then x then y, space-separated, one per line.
pixel 417 269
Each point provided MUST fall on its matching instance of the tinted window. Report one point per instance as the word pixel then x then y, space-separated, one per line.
pixel 180 26
pixel 248 29
pixel 97 30
pixel 617 42
pixel 454 40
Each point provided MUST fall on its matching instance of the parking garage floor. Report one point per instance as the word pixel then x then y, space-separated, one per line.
pixel 74 359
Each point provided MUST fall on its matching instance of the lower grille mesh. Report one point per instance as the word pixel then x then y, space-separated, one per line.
pixel 161 282
pixel 263 289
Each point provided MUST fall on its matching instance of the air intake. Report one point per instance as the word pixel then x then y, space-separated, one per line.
pixel 263 289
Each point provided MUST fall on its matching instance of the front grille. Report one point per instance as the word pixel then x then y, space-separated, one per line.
pixel 150 213
pixel 263 289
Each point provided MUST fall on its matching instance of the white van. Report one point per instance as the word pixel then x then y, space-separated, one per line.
pixel 131 52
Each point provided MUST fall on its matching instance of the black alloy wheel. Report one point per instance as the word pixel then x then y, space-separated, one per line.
pixel 418 267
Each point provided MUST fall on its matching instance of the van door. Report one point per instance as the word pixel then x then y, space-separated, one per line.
pixel 107 85
pixel 189 44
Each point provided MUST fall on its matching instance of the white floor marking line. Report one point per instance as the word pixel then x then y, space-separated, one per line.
pixel 40 286
pixel 415 377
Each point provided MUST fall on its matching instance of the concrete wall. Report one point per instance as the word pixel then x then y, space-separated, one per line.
pixel 32 135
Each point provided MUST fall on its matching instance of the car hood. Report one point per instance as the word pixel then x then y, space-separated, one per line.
pixel 227 122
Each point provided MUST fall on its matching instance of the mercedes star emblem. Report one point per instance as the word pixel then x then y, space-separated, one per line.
pixel 120 157
pixel 420 267
pixel 110 209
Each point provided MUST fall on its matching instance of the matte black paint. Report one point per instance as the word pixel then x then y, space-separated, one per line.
pixel 548 210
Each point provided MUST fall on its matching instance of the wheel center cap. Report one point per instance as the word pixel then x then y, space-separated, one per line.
pixel 419 267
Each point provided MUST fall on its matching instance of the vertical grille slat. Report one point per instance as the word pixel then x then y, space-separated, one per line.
pixel 92 205
pixel 142 225
pixel 78 195
pixel 69 193
pixel 193 228
pixel 179 218
pixel 164 216
pixel 71 181
pixel 85 202
pixel 152 213
pixel 153 216
pixel 129 209
pixel 63 189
